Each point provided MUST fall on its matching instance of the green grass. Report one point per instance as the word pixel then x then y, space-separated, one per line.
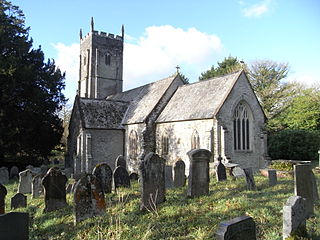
pixel 177 218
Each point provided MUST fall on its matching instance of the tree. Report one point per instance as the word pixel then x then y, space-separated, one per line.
pixel 31 92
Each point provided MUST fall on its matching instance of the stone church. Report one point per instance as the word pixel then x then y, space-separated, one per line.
pixel 167 116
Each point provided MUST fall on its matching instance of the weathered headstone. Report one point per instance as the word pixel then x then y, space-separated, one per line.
pixel 168 176
pixel 30 167
pixel 18 201
pixel 152 181
pixel 67 172
pixel 104 174
pixel 14 226
pixel 221 173
pixel 134 176
pixel 314 187
pixel 303 186
pixel 37 188
pixel 88 198
pixel 251 185
pixel 14 172
pixel 294 217
pixel 54 183
pixel 121 177
pixel 44 169
pixel 36 171
pixel 120 161
pixel 198 181
pixel 179 169
pixel 3 193
pixel 240 228
pixel 272 175
pixel 25 181
pixel 4 175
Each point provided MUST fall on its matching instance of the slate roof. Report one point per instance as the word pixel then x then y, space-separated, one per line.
pixel 200 100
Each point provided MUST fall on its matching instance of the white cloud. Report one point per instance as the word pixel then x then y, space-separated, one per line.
pixel 257 10
pixel 307 79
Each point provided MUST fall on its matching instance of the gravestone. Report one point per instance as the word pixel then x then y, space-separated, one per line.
pixel 121 177
pixel 314 187
pixel 120 161
pixel 67 172
pixel 152 181
pixel 36 186
pixel 54 183
pixel 4 175
pixel 251 185
pixel 294 217
pixel 104 174
pixel 25 181
pixel 134 176
pixel 240 228
pixel 69 188
pixel 88 198
pixel 36 171
pixel 44 169
pixel 18 201
pixel 30 167
pixel 303 186
pixel 3 193
pixel 272 175
pixel 168 176
pixel 14 226
pixel 198 181
pixel 179 169
pixel 14 172
pixel 221 173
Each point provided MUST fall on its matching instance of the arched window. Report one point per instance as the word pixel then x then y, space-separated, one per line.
pixel 195 140
pixel 133 147
pixel 107 59
pixel 164 144
pixel 241 127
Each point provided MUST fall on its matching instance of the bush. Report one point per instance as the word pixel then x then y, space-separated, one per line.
pixel 294 145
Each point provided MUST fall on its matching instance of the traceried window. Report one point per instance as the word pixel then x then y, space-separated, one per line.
pixel 195 140
pixel 133 147
pixel 164 144
pixel 107 59
pixel 241 127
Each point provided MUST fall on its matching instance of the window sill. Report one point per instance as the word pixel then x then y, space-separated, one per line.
pixel 243 151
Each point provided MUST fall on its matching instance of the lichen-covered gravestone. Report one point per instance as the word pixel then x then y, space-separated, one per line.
pixel 240 228
pixel 251 185
pixel 103 173
pixel 88 198
pixel 152 181
pixel 25 181
pixel 36 186
pixel 120 161
pixel 272 175
pixel 198 183
pixel 4 175
pixel 14 172
pixel 18 201
pixel 121 177
pixel 294 217
pixel 3 193
pixel 168 176
pixel 54 183
pixel 179 178
pixel 14 226
pixel 221 173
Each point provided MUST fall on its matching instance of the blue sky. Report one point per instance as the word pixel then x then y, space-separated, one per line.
pixel 191 34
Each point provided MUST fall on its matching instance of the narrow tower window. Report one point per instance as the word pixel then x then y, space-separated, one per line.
pixel 241 128
pixel 107 59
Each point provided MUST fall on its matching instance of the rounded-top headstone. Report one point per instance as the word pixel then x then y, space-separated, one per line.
pixel 121 177
pixel 14 172
pixel 120 161
pixel 179 177
pixel 103 172
pixel 4 175
pixel 134 176
pixel 3 193
pixel 18 201
pixel 25 181
pixel 200 155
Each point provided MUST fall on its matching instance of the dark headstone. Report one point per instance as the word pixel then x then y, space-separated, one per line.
pixel 44 169
pixel 54 183
pixel 240 228
pixel 221 173
pixel 272 175
pixel 104 174
pixel 25 182
pixel 168 176
pixel 314 187
pixel 120 161
pixel 14 172
pixel 37 188
pixel 4 175
pixel 18 201
pixel 14 226
pixel 198 181
pixel 88 198
pixel 30 167
pixel 251 185
pixel 179 169
pixel 134 176
pixel 121 177
pixel 3 193
pixel 152 181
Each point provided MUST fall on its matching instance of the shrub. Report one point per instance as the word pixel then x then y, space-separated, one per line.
pixel 282 166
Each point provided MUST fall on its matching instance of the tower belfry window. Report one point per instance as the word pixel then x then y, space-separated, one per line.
pixel 107 59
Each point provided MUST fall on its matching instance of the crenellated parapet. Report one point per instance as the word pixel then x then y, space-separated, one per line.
pixel 102 34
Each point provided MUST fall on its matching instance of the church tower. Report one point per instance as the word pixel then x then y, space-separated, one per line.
pixel 101 64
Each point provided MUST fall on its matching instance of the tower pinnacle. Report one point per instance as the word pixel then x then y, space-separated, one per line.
pixel 92 24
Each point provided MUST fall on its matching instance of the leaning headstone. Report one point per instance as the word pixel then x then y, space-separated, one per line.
pixel 251 185
pixel 14 172
pixel 104 174
pixel 121 177
pixel 303 186
pixel 198 181
pixel 134 176
pixel 294 217
pixel 272 175
pixel 179 179
pixel 14 226
pixel 37 188
pixel 4 175
pixel 25 181
pixel 168 176
pixel 120 161
pixel 152 181
pixel 240 228
pixel 18 201
pixel 88 198
pixel 3 193
pixel 221 173
pixel 54 183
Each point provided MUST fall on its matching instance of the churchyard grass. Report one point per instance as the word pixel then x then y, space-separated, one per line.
pixel 178 217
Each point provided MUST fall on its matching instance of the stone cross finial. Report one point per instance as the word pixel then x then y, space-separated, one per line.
pixel 122 31
pixel 80 33
pixel 177 67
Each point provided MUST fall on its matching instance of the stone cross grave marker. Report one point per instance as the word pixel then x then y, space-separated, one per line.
pixel 251 185
pixel 104 174
pixel 152 175
pixel 4 175
pixel 121 177
pixel 272 175
pixel 168 176
pixel 54 183
pixel 18 201
pixel 179 169
pixel 36 186
pixel 221 173
pixel 88 198
pixel 240 228
pixel 134 176
pixel 120 161
pixel 3 193
pixel 14 226
pixel 198 181
pixel 14 172
pixel 25 181
pixel 294 217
